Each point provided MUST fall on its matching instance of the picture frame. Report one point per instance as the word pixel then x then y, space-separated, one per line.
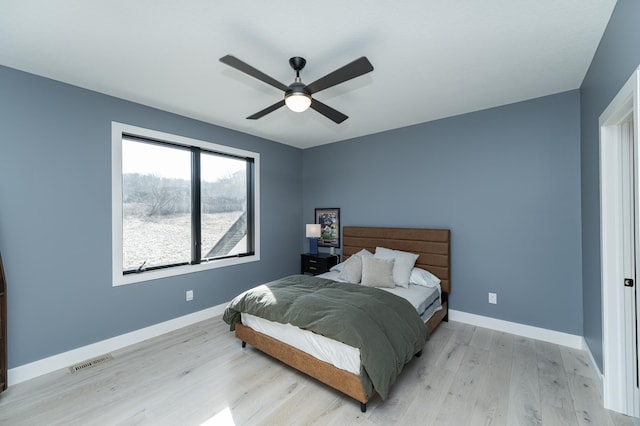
pixel 329 220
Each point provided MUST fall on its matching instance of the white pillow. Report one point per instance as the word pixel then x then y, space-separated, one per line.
pixel 402 266
pixel 364 253
pixel 339 266
pixel 377 272
pixel 351 270
pixel 424 278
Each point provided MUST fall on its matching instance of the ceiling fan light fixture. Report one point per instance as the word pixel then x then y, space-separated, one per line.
pixel 298 102
pixel 297 98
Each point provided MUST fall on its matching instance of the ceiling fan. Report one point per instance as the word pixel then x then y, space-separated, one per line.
pixel 298 96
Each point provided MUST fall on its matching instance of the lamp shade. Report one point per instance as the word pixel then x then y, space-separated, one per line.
pixel 298 102
pixel 313 230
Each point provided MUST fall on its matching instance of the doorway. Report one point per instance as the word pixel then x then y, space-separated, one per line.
pixel 620 224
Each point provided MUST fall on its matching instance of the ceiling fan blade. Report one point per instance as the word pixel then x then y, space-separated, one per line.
pixel 236 63
pixel 347 72
pixel 267 110
pixel 328 112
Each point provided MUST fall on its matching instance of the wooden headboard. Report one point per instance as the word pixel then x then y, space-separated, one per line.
pixel 432 245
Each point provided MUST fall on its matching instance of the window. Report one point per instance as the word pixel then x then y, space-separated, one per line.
pixel 180 205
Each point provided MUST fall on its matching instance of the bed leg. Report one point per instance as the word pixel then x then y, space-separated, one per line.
pixel 446 318
pixel 363 407
pixel 244 344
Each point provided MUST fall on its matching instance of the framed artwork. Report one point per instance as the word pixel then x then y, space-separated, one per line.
pixel 329 220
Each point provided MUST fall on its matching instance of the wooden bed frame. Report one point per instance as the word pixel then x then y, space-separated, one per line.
pixel 433 248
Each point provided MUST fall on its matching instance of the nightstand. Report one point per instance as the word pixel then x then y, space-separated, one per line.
pixel 320 263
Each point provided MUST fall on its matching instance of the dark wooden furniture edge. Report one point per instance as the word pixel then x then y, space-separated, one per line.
pixel 4 364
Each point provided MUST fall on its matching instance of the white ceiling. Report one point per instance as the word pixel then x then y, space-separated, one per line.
pixel 432 58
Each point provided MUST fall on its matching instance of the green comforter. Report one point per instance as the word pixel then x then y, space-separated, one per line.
pixel 386 328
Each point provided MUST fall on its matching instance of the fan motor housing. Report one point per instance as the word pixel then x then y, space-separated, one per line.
pixel 297 88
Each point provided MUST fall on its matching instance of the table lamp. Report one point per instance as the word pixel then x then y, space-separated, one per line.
pixel 313 233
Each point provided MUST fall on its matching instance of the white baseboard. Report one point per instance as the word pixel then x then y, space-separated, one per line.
pixel 66 359
pixel 593 362
pixel 557 337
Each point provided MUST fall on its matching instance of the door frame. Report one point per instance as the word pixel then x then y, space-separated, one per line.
pixel 617 393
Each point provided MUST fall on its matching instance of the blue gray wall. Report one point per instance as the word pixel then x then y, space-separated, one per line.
pixel 506 181
pixel 55 219
pixel 615 60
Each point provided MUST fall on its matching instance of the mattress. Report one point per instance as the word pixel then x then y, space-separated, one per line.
pixel 425 300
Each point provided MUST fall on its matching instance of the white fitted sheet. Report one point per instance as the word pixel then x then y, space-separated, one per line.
pixel 338 354
pixel 342 356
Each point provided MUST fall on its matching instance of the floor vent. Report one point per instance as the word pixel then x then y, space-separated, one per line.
pixel 90 363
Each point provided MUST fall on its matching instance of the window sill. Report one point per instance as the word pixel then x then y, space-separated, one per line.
pixel 120 279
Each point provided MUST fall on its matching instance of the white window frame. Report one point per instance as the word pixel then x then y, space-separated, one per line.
pixel 117 132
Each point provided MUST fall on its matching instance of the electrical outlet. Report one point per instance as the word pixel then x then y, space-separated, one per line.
pixel 189 295
pixel 493 298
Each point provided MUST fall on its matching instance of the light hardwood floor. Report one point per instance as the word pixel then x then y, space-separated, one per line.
pixel 200 375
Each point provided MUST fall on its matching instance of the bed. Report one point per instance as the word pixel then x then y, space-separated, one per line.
pixel 282 341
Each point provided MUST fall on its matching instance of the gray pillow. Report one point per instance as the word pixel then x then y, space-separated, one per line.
pixel 377 272
pixel 403 265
